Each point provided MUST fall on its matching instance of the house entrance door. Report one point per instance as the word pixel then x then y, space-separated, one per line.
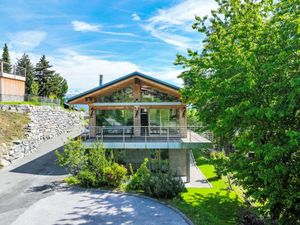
pixel 144 122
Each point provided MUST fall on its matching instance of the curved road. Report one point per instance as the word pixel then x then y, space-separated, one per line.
pixel 32 193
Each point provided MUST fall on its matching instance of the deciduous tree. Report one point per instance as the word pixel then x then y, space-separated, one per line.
pixel 245 83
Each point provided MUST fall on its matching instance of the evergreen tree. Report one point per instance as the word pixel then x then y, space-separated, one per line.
pixel 7 67
pixel 57 86
pixel 24 62
pixel 43 74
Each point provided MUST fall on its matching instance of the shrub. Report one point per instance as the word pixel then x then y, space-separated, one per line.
pixel 163 185
pixel 90 167
pixel 97 162
pixel 87 178
pixel 72 180
pixel 73 157
pixel 137 181
pixel 115 174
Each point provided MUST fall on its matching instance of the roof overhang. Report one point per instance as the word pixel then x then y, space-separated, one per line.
pixel 141 104
pixel 121 83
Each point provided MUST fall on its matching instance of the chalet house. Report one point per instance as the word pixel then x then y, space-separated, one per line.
pixel 139 116
pixel 12 83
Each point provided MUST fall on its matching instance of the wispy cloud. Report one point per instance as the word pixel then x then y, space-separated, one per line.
pixel 26 40
pixel 118 33
pixel 85 27
pixel 169 24
pixel 135 17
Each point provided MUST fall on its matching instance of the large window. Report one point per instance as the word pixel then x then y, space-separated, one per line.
pixel 116 117
pixel 164 117
pixel 150 94
pixel 123 95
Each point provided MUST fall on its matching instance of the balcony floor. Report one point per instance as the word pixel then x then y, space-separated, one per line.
pixel 193 140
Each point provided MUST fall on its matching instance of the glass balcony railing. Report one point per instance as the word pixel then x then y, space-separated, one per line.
pixel 146 134
pixel 8 69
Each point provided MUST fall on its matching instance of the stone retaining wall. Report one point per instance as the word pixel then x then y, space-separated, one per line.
pixel 45 123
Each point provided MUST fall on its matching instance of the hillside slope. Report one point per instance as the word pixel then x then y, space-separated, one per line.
pixel 11 127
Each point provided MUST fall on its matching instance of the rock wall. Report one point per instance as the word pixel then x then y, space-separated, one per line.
pixel 45 123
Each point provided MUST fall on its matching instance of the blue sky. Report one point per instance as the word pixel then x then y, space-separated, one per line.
pixel 83 39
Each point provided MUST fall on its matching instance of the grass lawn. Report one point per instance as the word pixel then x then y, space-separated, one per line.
pixel 210 206
pixel 20 103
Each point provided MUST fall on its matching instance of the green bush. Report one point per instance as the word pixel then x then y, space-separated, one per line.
pixel 97 162
pixel 137 180
pixel 72 180
pixel 87 178
pixel 73 157
pixel 115 174
pixel 91 167
pixel 163 185
pixel 160 183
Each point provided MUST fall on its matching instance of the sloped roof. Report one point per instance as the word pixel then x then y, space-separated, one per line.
pixel 136 73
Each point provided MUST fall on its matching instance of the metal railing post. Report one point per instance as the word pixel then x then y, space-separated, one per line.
pixel 145 138
pixel 168 136
pixel 123 137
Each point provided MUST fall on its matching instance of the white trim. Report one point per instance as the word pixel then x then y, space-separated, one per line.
pixel 11 76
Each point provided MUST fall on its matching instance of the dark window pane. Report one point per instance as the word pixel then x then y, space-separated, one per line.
pixel 114 117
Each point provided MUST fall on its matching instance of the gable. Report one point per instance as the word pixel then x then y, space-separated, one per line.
pixel 124 83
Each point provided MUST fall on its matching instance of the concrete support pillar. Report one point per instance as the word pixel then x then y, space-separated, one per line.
pixel 177 161
pixel 92 122
pixel 183 121
pixel 188 165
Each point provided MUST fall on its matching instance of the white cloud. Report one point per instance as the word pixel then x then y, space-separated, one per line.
pixel 82 71
pixel 118 33
pixel 169 75
pixel 26 40
pixel 167 23
pixel 135 17
pixel 85 27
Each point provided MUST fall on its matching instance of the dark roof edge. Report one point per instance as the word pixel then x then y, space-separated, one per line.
pixel 121 79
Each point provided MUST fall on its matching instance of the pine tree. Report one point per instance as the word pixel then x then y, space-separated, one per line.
pixel 57 86
pixel 43 74
pixel 7 67
pixel 24 62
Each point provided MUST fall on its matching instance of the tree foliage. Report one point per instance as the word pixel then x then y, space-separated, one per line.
pixel 7 67
pixel 245 84
pixel 50 82
pixel 24 62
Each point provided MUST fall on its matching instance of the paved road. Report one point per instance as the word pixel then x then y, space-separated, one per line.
pixel 32 193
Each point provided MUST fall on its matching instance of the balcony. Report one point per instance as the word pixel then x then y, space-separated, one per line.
pixel 16 72
pixel 146 137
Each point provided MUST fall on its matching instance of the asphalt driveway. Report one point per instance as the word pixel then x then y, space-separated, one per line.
pixel 32 193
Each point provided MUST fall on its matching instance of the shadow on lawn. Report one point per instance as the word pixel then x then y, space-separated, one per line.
pixel 211 209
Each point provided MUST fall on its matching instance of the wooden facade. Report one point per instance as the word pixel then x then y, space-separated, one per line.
pixel 135 81
pixel 12 86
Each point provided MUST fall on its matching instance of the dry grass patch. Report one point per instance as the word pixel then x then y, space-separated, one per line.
pixel 12 126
